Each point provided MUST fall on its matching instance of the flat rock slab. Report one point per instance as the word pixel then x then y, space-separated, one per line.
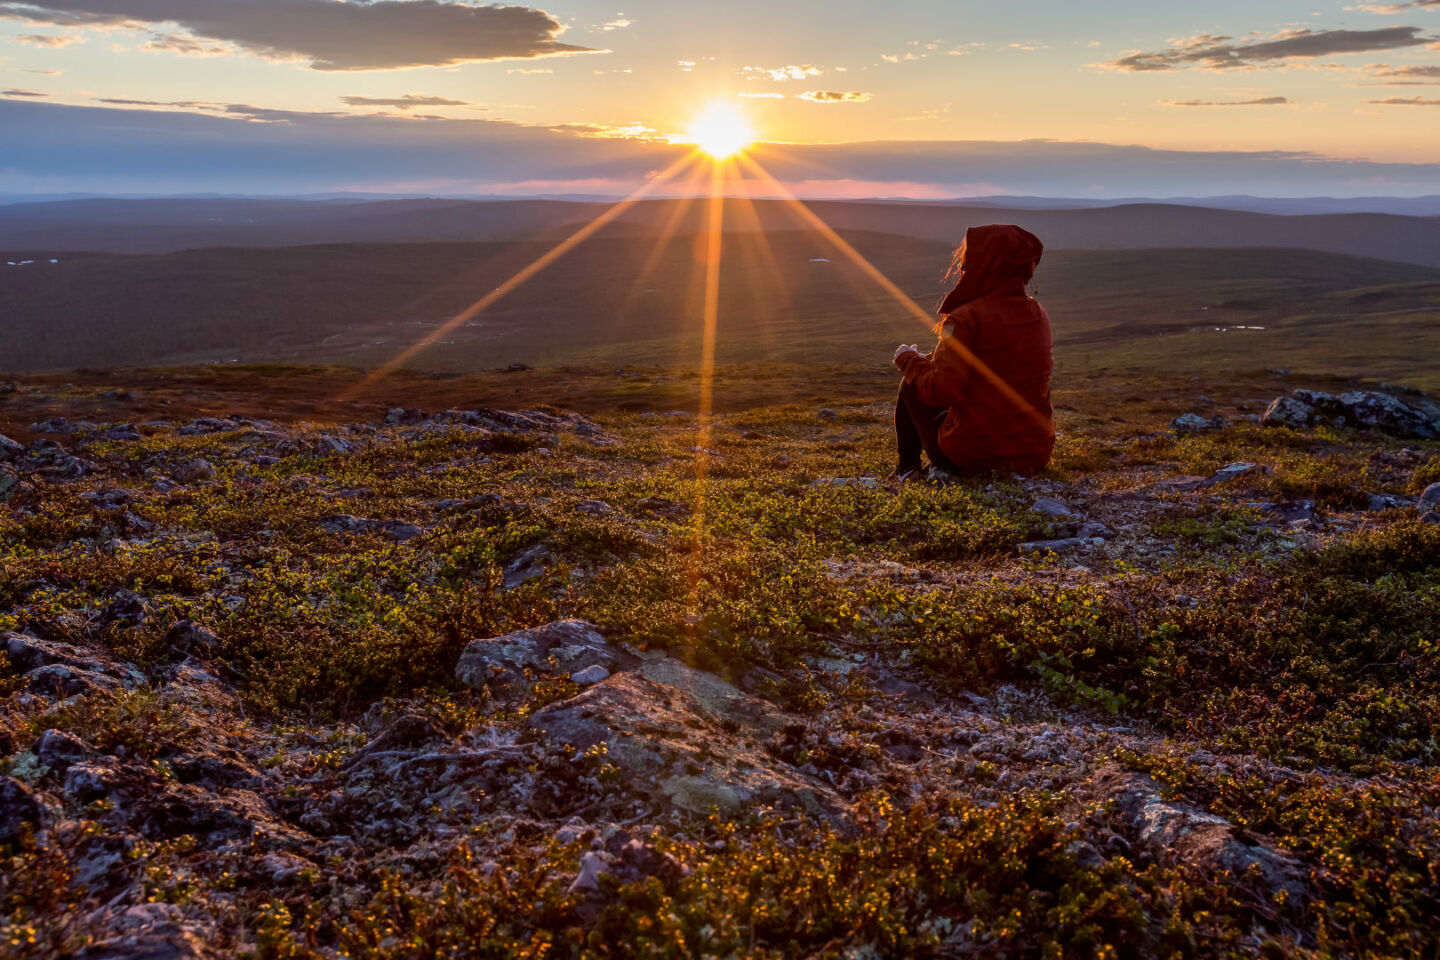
pixel 565 647
pixel 687 738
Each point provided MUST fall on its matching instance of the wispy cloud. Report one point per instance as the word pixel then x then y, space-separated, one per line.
pixel 378 35
pixel 49 39
pixel 23 93
pixel 1394 8
pixel 619 23
pixel 408 102
pixel 1216 52
pixel 1257 102
pixel 530 70
pixel 1408 76
pixel 778 74
pixel 1408 101
pixel 835 96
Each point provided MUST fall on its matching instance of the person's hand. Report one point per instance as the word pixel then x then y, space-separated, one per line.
pixel 903 349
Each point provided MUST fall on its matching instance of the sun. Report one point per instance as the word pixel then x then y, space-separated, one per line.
pixel 721 131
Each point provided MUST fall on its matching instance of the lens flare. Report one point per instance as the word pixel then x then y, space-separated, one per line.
pixel 721 131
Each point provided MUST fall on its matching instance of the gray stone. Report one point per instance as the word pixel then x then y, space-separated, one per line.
pixel 590 675
pixel 9 449
pixel 1380 411
pixel 193 470
pixel 1051 507
pixel 1194 423
pixel 596 508
pixel 1177 833
pixel 58 749
pixel 563 647
pixel 1288 412
pixel 20 806
pixel 1061 546
pixel 868 483
pixel 528 565
pixel 685 737
pixel 188 637
pixel 1232 471
pixel 1429 498
pixel 1385 501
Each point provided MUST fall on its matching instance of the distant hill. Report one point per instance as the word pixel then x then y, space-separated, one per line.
pixel 787 296
pixel 163 226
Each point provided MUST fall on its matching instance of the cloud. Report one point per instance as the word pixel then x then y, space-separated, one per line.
pixel 151 150
pixel 49 39
pixel 1215 52
pixel 1258 102
pixel 1030 46
pixel 1411 76
pixel 331 35
pixel 185 46
pixel 530 70
pixel 835 96
pixel 790 72
pixel 22 93
pixel 1408 101
pixel 407 102
pixel 1393 8
pixel 620 23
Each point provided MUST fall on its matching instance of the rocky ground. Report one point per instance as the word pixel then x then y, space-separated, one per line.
pixel 485 683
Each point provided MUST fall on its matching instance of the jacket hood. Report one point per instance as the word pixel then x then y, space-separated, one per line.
pixel 993 257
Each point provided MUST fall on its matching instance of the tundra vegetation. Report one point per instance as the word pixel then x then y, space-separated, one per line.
pixel 1175 697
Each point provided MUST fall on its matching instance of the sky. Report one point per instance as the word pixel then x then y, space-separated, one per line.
pixel 919 98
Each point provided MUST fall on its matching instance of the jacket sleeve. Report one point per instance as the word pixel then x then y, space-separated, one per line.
pixel 940 377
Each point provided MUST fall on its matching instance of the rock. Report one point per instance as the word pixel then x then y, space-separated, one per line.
pixel 188 637
pixel 1194 423
pixel 596 508
pixel 564 647
pixel 1180 484
pixel 1429 498
pixel 661 507
pixel 193 470
pixel 592 867
pixel 686 738
pixel 590 675
pixel 529 564
pixel 1233 471
pixel 9 449
pixel 58 750
pixel 60 681
pixel 152 931
pixel 1288 412
pixel 1051 507
pixel 1064 545
pixel 1380 411
pixel 394 529
pixel 328 446
pixel 1290 511
pixel 122 433
pixel 1385 501
pixel 29 654
pixel 21 808
pixel 1365 409
pixel 1177 833
pixel 404 416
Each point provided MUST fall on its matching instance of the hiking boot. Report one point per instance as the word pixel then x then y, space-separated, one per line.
pixel 899 478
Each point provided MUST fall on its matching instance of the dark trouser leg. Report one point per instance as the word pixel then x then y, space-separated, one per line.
pixel 908 442
pixel 917 427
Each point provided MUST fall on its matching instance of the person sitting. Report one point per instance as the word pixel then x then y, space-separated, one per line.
pixel 980 401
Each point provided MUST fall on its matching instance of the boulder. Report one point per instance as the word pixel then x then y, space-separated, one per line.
pixel 188 637
pixel 1232 471
pixel 562 647
pixel 686 738
pixel 1288 412
pixel 9 449
pixel 1177 833
pixel 21 808
pixel 1385 501
pixel 1051 507
pixel 1194 423
pixel 595 508
pixel 1429 498
pixel 195 470
pixel 1380 411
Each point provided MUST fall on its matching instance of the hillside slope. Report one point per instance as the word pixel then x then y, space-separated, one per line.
pixel 471 682
pixel 785 297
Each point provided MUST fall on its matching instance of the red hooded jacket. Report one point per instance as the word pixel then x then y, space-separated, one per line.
pixel 992 365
